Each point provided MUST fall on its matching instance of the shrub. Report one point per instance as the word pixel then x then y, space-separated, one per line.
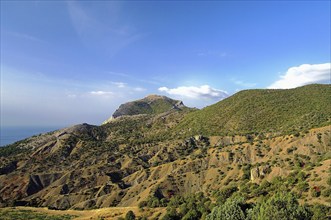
pixel 326 192
pixel 230 210
pixel 320 212
pixel 130 215
pixel 171 214
pixel 303 186
pixel 315 192
pixel 281 206
pixel 225 193
pixel 328 181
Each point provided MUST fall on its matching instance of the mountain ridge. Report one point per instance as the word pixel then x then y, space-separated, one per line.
pixel 149 157
pixel 261 110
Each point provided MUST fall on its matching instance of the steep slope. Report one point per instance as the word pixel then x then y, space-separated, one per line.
pixel 264 110
pixel 140 158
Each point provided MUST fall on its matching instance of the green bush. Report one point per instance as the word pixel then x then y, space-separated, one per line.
pixel 130 215
pixel 281 206
pixel 320 212
pixel 328 181
pixel 225 193
pixel 232 209
pixel 303 186
pixel 315 192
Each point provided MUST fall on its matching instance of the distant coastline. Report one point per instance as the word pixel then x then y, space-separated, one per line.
pixel 11 134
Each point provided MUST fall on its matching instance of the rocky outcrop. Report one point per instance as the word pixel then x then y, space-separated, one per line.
pixel 8 168
pixel 152 104
pixel 259 172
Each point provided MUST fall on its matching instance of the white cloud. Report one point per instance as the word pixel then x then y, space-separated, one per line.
pixel 303 75
pixel 101 93
pixel 193 92
pixel 120 84
pixel 113 34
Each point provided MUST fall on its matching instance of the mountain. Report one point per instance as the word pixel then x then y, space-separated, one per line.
pixel 152 104
pixel 156 149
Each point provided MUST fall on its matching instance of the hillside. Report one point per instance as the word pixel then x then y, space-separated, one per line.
pixel 263 110
pixel 251 144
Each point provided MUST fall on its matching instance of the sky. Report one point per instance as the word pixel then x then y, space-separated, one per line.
pixel 71 62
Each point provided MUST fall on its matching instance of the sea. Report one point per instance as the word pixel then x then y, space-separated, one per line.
pixel 11 134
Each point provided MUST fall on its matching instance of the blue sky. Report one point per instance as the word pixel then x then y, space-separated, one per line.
pixel 69 62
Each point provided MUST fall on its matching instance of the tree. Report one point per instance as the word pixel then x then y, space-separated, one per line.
pixel 320 212
pixel 281 206
pixel 303 186
pixel 192 215
pixel 225 193
pixel 328 181
pixel 171 214
pixel 130 215
pixel 230 210
pixel 315 191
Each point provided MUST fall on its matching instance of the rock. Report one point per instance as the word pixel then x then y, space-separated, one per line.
pixel 255 173
pixel 259 172
pixel 8 168
pixel 152 104
pixel 264 170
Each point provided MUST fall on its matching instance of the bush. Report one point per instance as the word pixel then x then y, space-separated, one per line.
pixel 303 187
pixel 326 192
pixel 328 181
pixel 230 210
pixel 192 215
pixel 281 206
pixel 130 215
pixel 225 193
pixel 320 212
pixel 171 215
pixel 315 192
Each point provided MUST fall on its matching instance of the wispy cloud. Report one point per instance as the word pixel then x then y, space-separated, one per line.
pixel 109 35
pixel 24 36
pixel 118 74
pixel 194 92
pixel 133 78
pixel 119 84
pixel 101 93
pixel 303 75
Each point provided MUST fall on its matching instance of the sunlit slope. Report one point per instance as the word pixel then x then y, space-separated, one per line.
pixel 263 110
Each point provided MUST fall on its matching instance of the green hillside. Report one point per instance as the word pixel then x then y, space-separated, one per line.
pixel 267 110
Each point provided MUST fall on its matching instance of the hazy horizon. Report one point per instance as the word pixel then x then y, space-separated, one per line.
pixel 71 62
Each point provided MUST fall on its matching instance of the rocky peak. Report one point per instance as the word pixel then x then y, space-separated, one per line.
pixel 154 97
pixel 151 104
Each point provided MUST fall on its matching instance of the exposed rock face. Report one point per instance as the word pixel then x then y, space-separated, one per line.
pixel 254 173
pixel 8 168
pixel 259 172
pixel 152 104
